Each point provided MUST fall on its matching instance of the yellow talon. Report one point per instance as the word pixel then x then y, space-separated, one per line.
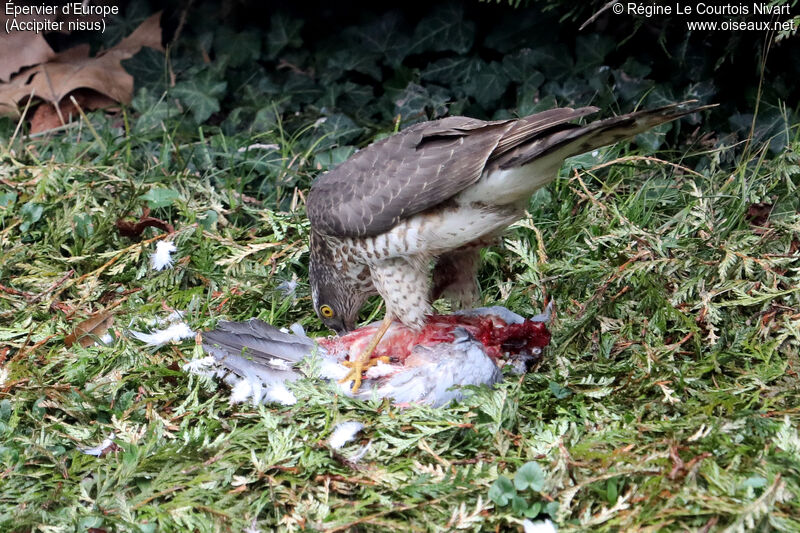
pixel 358 367
pixel 364 360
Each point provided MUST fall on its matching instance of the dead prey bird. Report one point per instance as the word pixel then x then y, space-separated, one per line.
pixel 437 192
pixel 426 366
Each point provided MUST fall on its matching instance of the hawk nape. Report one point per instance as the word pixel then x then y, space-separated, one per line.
pixel 438 192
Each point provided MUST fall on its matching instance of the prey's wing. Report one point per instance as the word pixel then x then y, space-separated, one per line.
pixel 255 347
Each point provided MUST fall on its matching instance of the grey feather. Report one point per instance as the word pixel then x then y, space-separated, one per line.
pixel 258 341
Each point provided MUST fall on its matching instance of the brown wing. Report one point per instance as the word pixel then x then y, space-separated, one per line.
pixel 416 169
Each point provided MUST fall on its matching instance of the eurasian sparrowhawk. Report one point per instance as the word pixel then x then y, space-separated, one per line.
pixel 434 194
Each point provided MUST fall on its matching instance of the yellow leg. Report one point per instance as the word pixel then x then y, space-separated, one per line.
pixel 363 361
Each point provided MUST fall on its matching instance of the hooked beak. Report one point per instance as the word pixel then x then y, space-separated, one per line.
pixel 342 327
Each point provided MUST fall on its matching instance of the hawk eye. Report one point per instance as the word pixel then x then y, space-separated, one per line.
pixel 326 311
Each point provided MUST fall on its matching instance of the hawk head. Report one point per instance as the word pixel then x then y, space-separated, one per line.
pixel 336 296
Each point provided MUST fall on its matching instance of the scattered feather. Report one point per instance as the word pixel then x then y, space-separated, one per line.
pixel 545 526
pixel 381 369
pixel 241 391
pixel 343 433
pixel 97 451
pixel 203 366
pixel 252 528
pixel 174 333
pixel 288 288
pixel 278 393
pixel 356 457
pixel 162 257
pixel 258 146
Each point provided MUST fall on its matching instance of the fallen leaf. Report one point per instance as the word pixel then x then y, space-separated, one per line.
pixel 47 117
pixel 73 69
pixel 87 331
pixel 21 48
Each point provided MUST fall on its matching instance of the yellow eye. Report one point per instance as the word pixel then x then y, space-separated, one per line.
pixel 326 311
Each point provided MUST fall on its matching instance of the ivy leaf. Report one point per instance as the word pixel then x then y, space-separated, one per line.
pixel 444 29
pixel 201 95
pixel 31 213
pixel 160 197
pixel 242 47
pixel 147 69
pixel 358 61
pixel 451 71
pixel 414 103
pixel 530 475
pixel 284 31
pixel 652 139
pixel 488 84
pixel 385 36
pixel 338 129
pixel 591 50
pixel 521 69
pixel 333 157
pixel 529 103
pixel 502 491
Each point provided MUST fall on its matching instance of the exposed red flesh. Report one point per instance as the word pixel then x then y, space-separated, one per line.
pixel 499 339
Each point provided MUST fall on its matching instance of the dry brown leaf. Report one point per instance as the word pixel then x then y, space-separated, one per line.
pixel 46 116
pixel 74 69
pixel 87 331
pixel 21 48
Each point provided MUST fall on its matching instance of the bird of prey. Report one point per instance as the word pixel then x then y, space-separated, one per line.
pixel 407 216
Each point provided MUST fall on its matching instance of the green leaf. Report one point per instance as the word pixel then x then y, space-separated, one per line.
pixel 208 220
pixel 612 491
pixel 444 29
pixel 240 47
pixel 358 61
pixel 530 475
pixel 502 491
pixel 31 213
pixel 488 84
pixel 148 68
pixel 385 36
pixel 159 197
pixel 338 129
pixel 7 199
pixel 592 49
pixel 284 31
pixel 416 102
pixel 534 510
pixel 521 69
pixel 559 391
pixel 518 504
pixel 333 157
pixel 84 228
pixel 451 70
pixel 201 95
pixel 755 482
